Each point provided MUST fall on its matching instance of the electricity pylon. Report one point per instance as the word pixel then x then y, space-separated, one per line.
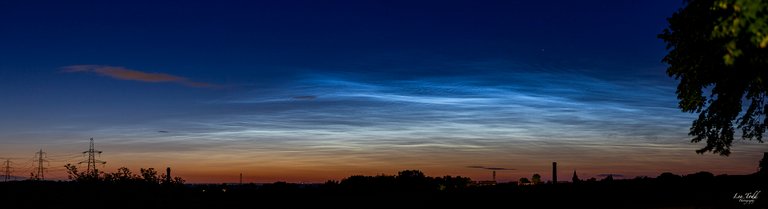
pixel 92 159
pixel 40 168
pixel 7 170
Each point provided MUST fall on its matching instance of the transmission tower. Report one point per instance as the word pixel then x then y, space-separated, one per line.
pixel 92 159
pixel 40 168
pixel 7 170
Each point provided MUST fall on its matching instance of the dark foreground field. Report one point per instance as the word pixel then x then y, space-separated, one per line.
pixel 666 191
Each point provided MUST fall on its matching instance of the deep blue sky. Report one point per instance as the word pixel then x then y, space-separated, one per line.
pixel 334 88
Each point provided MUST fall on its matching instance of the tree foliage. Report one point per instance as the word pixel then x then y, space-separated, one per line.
pixel 717 50
pixel 536 178
pixel 524 181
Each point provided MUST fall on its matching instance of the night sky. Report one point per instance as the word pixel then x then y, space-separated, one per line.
pixel 306 91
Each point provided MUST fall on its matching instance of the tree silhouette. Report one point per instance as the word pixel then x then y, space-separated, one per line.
pixel 414 180
pixel 524 181
pixel 407 180
pixel 452 183
pixel 149 175
pixel 717 50
pixel 410 174
pixel 536 178
pixel 74 175
pixel 124 174
pixel 669 177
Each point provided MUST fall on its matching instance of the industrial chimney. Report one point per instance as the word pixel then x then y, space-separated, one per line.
pixel 168 175
pixel 554 172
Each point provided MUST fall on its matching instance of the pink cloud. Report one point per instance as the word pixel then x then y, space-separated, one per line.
pixel 122 73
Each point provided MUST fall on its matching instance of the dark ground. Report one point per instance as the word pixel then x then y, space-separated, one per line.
pixel 670 191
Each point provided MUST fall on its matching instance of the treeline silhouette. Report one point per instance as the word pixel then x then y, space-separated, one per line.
pixel 407 189
pixel 148 176
pixel 407 180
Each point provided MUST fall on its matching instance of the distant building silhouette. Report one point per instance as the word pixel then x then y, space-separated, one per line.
pixel 575 178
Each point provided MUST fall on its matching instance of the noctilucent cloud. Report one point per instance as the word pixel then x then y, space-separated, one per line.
pixel 307 91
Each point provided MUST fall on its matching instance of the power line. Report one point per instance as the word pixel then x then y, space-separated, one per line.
pixel 66 155
pixel 27 166
pixel 63 160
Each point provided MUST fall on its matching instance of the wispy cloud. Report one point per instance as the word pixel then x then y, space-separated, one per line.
pixel 123 73
pixel 525 105
pixel 517 122
pixel 306 97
